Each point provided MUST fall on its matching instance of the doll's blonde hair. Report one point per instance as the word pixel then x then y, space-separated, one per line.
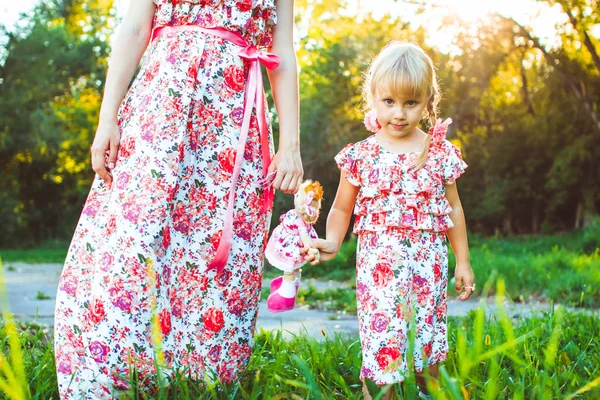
pixel 306 187
pixel 405 69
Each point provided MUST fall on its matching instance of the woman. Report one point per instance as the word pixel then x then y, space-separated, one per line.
pixel 165 266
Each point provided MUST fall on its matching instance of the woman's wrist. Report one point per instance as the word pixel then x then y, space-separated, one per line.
pixel 107 116
pixel 289 145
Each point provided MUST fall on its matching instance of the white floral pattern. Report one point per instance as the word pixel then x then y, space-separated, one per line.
pixel 253 19
pixel 402 260
pixel 143 243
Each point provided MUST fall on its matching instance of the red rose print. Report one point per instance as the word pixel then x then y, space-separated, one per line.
pixel 165 321
pixel 227 160
pixel 437 273
pixel 127 147
pixel 244 5
pixel 235 304
pixel 166 237
pixel 213 319
pixel 242 228
pixel 387 356
pixel 427 350
pixel 96 311
pixel 382 274
pixel 181 218
pixel 203 283
pixel 234 78
pixel 215 240
pixel 223 278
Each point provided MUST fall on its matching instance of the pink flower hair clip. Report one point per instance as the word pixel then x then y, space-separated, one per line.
pixel 439 130
pixel 371 122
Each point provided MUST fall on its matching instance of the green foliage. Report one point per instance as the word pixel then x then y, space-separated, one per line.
pixel 47 252
pixel 50 95
pixel 525 113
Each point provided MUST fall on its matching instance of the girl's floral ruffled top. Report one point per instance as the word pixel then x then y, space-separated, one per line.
pixel 391 194
pixel 251 18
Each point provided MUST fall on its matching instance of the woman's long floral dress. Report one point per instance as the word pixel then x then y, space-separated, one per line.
pixel 135 290
pixel 402 259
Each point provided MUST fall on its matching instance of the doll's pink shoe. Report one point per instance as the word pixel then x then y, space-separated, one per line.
pixel 276 283
pixel 277 303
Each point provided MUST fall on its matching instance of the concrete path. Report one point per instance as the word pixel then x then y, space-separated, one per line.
pixel 32 290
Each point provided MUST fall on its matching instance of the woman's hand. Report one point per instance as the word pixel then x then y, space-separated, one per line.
pixel 288 164
pixel 106 140
pixel 464 280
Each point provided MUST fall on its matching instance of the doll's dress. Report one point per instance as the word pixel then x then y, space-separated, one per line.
pixel 283 248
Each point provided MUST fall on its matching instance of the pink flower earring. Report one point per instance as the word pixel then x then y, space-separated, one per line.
pixel 371 122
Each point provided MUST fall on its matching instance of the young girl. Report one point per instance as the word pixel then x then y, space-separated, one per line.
pixel 401 184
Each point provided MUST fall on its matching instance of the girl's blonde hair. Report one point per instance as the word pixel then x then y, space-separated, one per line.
pixel 306 187
pixel 405 69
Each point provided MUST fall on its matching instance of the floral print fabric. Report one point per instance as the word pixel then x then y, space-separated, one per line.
pixel 251 18
pixel 143 242
pixel 283 248
pixel 392 195
pixel 402 260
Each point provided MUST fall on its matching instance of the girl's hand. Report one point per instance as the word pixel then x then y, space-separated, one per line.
pixel 107 139
pixel 464 280
pixel 325 251
pixel 288 164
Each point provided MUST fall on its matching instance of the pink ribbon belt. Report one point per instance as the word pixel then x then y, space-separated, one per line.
pixel 255 97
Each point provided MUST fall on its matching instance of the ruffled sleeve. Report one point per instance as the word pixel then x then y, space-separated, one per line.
pixel 452 166
pixel 347 161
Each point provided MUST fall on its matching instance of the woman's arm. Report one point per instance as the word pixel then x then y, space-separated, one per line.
pixel 284 83
pixel 130 43
pixel 463 275
pixel 338 221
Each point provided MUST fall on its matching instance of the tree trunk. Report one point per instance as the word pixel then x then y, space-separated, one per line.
pixel 579 215
pixel 526 97
pixel 507 228
pixel 587 104
pixel 535 221
pixel 586 37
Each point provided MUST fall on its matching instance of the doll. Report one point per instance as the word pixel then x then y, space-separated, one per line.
pixel 294 232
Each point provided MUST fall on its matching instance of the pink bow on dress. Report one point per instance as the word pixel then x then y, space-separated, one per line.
pixel 439 130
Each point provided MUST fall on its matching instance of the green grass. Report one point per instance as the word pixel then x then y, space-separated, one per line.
pixel 48 252
pixel 548 356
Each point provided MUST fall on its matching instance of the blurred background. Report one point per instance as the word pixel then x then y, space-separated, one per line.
pixel 520 78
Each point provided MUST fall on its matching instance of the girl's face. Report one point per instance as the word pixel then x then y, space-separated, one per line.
pixel 398 115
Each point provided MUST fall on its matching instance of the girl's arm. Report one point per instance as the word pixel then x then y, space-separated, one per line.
pixel 130 43
pixel 284 84
pixel 338 221
pixel 463 275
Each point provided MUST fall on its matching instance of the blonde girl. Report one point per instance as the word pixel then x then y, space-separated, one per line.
pixel 400 185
